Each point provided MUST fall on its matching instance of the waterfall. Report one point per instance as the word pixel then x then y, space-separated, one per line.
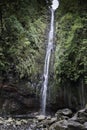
pixel 54 6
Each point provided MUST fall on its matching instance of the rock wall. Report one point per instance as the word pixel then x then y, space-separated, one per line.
pixel 69 85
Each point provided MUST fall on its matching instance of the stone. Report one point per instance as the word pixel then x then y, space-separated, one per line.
pixel 40 117
pixel 65 112
pixel 40 126
pixel 35 121
pixel 18 122
pixel 48 117
pixel 74 118
pixel 16 98
pixel 73 125
pixel 45 123
pixel 35 114
pixel 60 125
pixel 85 125
pixel 1 122
pixel 9 120
pixel 24 121
pixel 1 119
pixel 32 126
pixel 8 124
pixel 53 120
pixel 80 116
pixel 45 129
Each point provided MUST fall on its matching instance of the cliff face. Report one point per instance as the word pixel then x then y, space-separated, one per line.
pixel 71 54
pixel 22 49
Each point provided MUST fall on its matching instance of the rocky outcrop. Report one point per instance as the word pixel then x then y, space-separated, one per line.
pixel 63 114
pixel 19 99
pixel 65 120
pixel 40 122
pixel 77 122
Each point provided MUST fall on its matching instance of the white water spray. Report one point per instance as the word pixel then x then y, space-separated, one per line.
pixel 54 6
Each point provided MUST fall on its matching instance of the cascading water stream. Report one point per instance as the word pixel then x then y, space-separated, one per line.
pixel 54 6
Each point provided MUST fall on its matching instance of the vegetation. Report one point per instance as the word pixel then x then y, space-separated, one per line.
pixel 71 50
pixel 22 27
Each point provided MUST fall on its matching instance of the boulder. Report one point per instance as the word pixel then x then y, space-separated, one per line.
pixel 63 114
pixel 85 125
pixel 67 112
pixel 48 117
pixel 53 120
pixel 73 125
pixel 60 125
pixel 80 116
pixel 67 125
pixel 47 122
pixel 40 117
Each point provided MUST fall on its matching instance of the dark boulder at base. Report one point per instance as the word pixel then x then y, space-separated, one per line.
pixel 63 114
pixel 72 125
pixel 66 122
pixel 60 125
pixel 85 125
pixel 80 116
pixel 67 125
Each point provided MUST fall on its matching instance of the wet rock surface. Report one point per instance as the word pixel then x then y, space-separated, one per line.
pixel 41 122
pixel 13 124
pixel 18 99
pixel 63 114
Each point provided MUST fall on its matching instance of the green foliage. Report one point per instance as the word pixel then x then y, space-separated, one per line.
pixel 71 50
pixel 21 47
